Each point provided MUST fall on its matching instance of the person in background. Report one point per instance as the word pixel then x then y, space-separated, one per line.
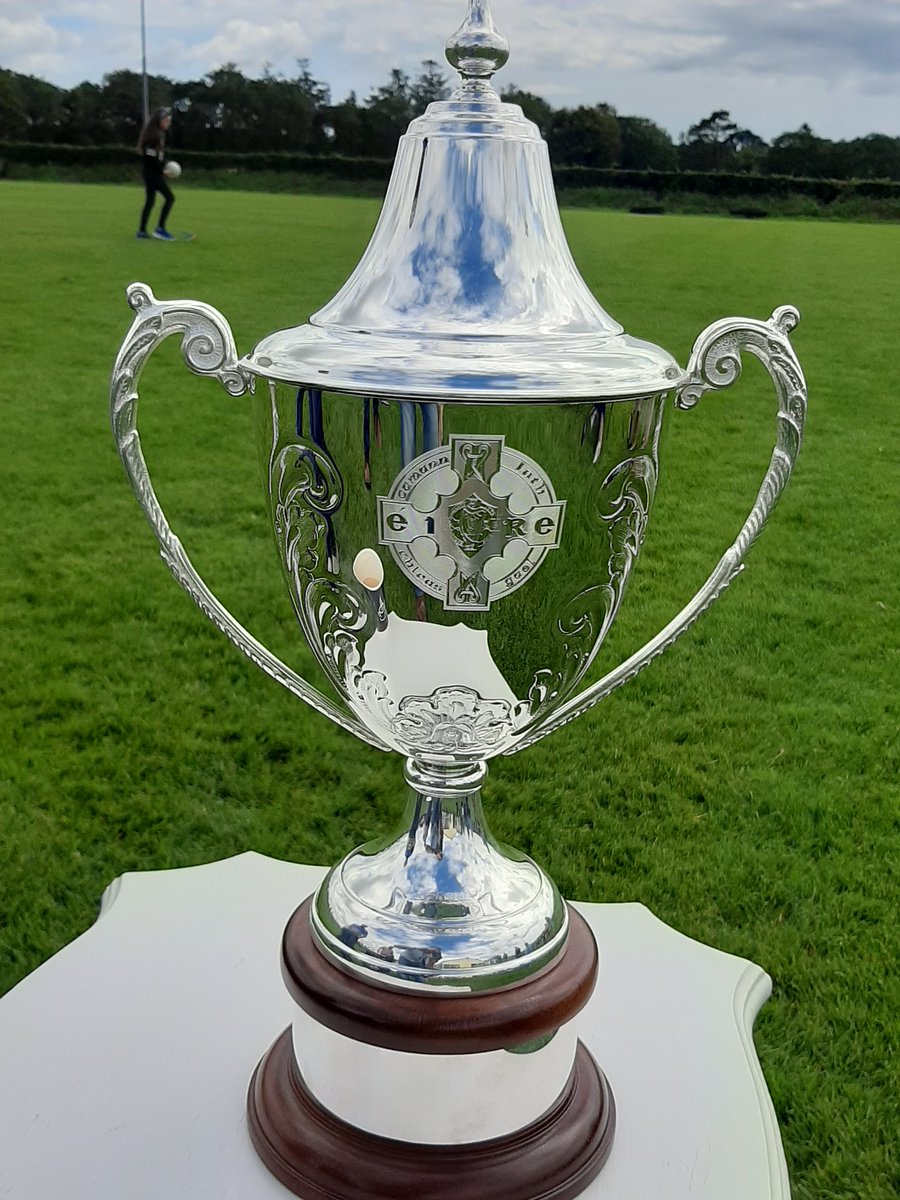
pixel 152 148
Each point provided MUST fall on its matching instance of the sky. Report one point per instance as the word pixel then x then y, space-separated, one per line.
pixel 833 64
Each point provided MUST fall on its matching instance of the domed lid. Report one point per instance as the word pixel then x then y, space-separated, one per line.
pixel 467 290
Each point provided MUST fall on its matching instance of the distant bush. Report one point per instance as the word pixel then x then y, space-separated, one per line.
pixel 46 154
pixel 719 183
pixel 671 191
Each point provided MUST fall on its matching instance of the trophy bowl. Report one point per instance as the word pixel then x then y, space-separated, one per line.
pixel 459 454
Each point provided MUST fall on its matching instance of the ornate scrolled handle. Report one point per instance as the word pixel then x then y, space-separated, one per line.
pixel 716 363
pixel 208 349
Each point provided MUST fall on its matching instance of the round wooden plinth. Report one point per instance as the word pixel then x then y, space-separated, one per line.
pixel 320 1157
pixel 466 1023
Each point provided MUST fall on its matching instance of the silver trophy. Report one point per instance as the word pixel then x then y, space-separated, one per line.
pixel 460 454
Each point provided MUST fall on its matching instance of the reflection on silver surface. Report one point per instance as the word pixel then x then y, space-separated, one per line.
pixel 460 456
pixel 447 678
pixel 368 570
pixel 477 50
pixel 468 291
pixel 382 1091
pixel 439 903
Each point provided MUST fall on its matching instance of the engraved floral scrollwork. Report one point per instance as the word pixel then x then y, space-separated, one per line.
pixel 307 493
pixel 583 625
pixel 369 690
pixel 768 341
pixel 716 363
pixel 307 490
pixel 207 346
pixel 208 349
pixel 453 719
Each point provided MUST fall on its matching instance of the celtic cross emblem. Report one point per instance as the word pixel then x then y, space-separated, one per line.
pixel 470 522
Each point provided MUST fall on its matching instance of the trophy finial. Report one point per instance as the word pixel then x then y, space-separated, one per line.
pixel 477 50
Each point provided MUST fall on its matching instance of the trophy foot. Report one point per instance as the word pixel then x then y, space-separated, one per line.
pixel 320 1157
pixel 439 904
pixel 375 1094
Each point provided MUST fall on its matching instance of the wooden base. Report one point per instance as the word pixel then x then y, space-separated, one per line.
pixel 466 1023
pixel 320 1157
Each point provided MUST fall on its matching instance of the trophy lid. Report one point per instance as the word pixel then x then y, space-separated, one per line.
pixel 467 291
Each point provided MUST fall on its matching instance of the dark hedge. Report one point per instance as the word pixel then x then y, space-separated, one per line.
pixel 659 183
pixel 45 154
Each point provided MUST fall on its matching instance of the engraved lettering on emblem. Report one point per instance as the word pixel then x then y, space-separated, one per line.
pixel 501 511
pixel 474 456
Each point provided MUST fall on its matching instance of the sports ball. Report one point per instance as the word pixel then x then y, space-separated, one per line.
pixel 172 169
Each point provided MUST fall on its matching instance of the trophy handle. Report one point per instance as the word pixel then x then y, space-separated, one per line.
pixel 208 349
pixel 716 363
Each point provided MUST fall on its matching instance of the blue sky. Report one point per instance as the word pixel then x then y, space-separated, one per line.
pixel 834 64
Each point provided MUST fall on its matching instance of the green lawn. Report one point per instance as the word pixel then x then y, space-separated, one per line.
pixel 745 787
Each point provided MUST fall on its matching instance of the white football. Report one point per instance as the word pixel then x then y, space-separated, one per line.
pixel 172 169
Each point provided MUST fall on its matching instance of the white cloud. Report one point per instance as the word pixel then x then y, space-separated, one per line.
pixel 34 44
pixel 655 57
pixel 251 45
pixel 818 39
pixel 26 35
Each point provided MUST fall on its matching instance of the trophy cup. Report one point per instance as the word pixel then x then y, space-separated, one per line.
pixel 460 453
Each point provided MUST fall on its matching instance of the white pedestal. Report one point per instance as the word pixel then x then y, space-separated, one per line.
pixel 125 1059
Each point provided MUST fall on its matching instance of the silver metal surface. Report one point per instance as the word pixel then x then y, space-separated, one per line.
pixel 467 291
pixel 492 505
pixel 715 363
pixel 208 349
pixel 446 679
pixel 456 563
pixel 438 904
pixel 477 50
pixel 432 1099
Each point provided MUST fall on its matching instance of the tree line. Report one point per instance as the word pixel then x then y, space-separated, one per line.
pixel 229 111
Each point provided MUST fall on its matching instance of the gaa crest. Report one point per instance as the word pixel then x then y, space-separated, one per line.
pixel 470 522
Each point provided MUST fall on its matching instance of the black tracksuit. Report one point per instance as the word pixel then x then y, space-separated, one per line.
pixel 154 158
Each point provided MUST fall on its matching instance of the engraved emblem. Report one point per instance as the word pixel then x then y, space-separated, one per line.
pixel 474 456
pixel 470 522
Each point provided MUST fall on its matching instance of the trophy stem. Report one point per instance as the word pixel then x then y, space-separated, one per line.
pixel 438 903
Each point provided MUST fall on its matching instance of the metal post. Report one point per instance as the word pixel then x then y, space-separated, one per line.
pixel 146 84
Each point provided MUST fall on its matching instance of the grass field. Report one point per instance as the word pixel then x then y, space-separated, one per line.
pixel 745 787
pixel 852 207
